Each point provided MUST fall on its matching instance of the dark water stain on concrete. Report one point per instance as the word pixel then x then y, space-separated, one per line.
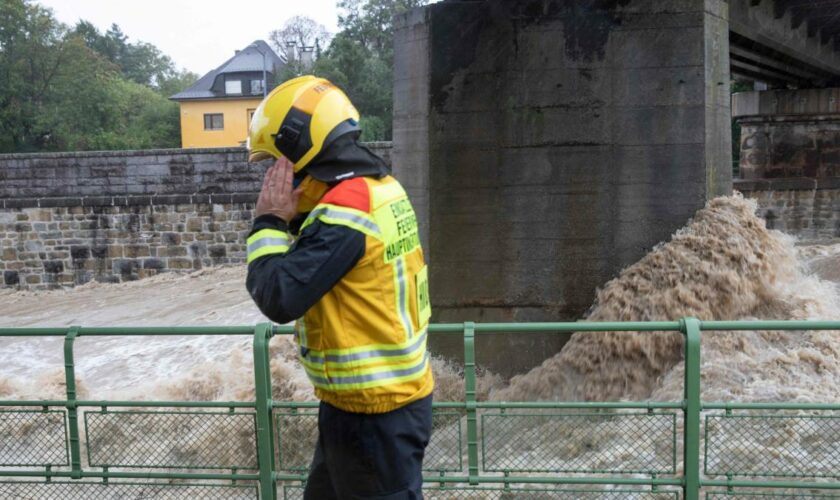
pixel 467 31
pixel 586 23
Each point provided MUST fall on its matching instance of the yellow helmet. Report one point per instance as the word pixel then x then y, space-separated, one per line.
pixel 299 119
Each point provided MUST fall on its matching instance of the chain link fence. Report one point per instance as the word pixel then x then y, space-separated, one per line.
pixel 33 437
pixel 171 439
pixel 297 436
pixel 579 442
pixel 122 491
pixel 478 493
pixel 773 445
pixel 756 496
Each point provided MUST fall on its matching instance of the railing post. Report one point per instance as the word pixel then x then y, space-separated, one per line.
pixel 472 418
pixel 691 446
pixel 72 406
pixel 265 422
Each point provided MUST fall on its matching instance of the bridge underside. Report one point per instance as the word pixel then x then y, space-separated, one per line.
pixel 786 43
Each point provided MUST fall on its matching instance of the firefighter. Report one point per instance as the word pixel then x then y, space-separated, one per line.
pixel 335 246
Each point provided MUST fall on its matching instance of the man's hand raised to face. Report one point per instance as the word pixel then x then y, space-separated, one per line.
pixel 278 197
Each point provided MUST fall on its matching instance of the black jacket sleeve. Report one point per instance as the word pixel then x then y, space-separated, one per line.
pixel 284 286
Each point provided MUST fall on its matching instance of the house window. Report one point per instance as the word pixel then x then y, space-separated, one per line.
pixel 250 116
pixel 233 87
pixel 214 121
pixel 256 87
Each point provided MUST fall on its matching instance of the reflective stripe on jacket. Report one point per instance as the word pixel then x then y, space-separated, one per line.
pixel 363 344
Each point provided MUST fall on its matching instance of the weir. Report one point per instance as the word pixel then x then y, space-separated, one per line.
pixel 487 449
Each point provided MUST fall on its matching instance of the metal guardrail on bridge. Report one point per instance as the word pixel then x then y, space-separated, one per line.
pixel 479 449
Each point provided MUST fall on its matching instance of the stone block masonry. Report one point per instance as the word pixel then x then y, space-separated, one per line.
pixel 806 208
pixel 71 218
pixel 65 246
pixel 790 159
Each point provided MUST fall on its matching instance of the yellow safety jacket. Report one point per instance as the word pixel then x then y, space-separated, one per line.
pixel 363 344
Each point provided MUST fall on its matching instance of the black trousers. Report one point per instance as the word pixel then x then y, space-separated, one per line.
pixel 362 456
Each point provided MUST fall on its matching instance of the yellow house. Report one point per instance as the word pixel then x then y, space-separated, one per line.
pixel 216 110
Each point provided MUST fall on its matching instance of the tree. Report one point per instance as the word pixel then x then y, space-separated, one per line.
pixel 299 33
pixel 34 52
pixel 370 22
pixel 139 62
pixel 59 93
pixel 305 32
pixel 360 60
pixel 176 82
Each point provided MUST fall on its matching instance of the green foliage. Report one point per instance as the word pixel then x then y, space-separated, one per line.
pixel 76 89
pixel 139 62
pixel 370 22
pixel 360 60
pixel 176 82
pixel 367 80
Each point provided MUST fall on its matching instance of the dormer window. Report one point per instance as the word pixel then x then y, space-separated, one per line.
pixel 233 87
pixel 256 87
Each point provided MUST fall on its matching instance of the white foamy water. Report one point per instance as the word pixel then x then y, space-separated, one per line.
pixel 111 366
pixel 723 265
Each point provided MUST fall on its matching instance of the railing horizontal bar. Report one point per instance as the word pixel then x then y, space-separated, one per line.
pixel 527 479
pixel 771 406
pixel 295 404
pixel 33 332
pixel 581 405
pixel 162 330
pixel 128 331
pixel 130 475
pixel 769 325
pixel 29 402
pixel 172 404
pixel 578 326
pixel 734 483
pixel 522 405
pixel 548 405
pixel 153 404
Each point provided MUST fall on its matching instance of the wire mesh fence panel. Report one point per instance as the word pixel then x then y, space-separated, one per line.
pixel 33 437
pixel 292 493
pixel 121 491
pixel 543 494
pixel 773 445
pixel 579 442
pixel 297 434
pixel 483 493
pixel 171 439
pixel 445 450
pixel 739 495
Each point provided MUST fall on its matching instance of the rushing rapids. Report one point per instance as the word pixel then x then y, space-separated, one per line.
pixel 724 264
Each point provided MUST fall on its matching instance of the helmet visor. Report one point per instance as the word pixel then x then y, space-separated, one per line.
pixel 255 156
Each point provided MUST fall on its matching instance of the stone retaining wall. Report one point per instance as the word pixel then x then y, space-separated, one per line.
pixel 806 208
pixel 69 218
pixel 790 159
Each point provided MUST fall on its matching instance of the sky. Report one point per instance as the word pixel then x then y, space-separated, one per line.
pixel 198 35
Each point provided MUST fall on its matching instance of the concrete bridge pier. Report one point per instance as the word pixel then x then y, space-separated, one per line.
pixel 548 144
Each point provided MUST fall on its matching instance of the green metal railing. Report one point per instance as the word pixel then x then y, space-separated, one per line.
pixel 479 449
